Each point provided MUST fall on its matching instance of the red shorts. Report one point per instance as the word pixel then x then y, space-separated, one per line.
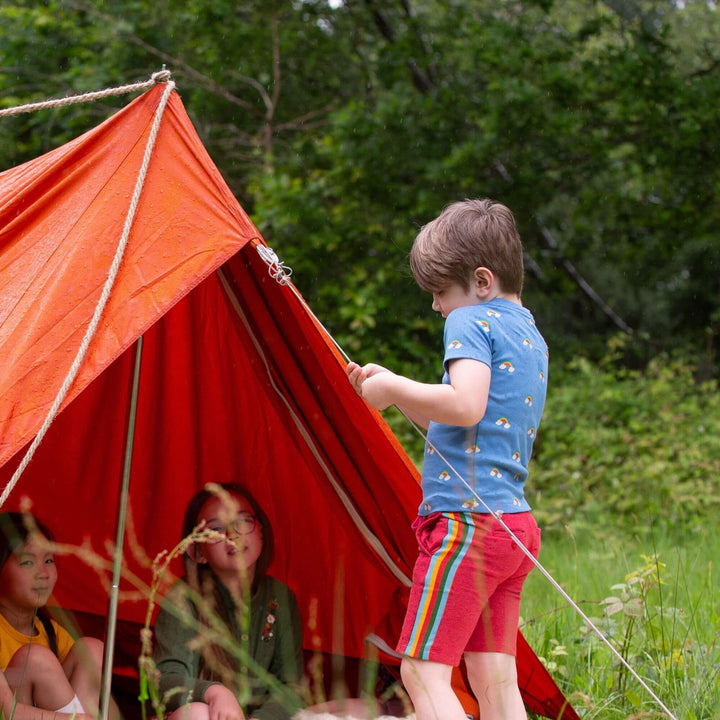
pixel 467 581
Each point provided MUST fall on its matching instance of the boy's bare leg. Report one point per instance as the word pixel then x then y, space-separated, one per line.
pixel 37 678
pixel 429 686
pixel 493 678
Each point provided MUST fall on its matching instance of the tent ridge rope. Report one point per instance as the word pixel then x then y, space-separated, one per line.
pixel 102 302
pixel 162 76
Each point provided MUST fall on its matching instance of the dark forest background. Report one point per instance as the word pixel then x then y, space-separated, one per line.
pixel 344 126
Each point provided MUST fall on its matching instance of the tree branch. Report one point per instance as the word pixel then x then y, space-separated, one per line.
pixel 570 269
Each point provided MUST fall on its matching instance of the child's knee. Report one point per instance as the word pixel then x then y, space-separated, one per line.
pixel 191 711
pixel 410 671
pixel 89 648
pixel 424 675
pixel 491 672
pixel 35 658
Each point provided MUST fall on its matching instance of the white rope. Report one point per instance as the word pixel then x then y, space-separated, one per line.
pixel 277 269
pixel 518 542
pixel 269 256
pixel 102 302
pixel 159 77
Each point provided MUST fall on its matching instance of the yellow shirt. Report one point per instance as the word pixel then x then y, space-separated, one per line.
pixel 11 640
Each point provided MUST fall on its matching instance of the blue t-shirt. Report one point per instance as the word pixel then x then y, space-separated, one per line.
pixel 492 456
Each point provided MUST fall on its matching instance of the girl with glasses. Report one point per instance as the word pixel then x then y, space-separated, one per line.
pixel 228 636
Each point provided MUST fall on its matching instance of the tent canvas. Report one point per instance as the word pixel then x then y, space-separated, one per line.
pixel 237 381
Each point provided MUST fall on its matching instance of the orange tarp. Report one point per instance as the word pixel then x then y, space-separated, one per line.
pixel 60 219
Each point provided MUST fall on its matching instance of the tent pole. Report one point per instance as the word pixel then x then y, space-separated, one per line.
pixel 105 690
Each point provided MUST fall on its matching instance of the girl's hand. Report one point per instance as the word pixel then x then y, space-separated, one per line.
pixel 222 704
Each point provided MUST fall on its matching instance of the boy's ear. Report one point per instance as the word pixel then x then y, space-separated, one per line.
pixel 483 280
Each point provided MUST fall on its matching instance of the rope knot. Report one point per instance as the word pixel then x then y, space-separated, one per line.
pixel 161 76
pixel 276 267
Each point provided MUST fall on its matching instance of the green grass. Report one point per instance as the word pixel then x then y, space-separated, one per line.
pixel 658 604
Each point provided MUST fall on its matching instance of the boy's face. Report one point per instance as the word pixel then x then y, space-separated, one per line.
pixel 454 296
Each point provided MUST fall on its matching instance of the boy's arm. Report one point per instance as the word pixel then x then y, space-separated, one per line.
pixel 358 375
pixel 462 402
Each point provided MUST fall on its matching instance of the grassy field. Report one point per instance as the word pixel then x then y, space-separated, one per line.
pixel 657 603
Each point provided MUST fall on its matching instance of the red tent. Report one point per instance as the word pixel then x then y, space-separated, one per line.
pixel 237 381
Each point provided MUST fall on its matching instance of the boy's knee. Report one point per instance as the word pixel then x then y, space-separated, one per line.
pixel 424 674
pixel 491 673
pixel 410 667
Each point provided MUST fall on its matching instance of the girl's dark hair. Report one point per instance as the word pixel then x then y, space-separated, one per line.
pixel 15 530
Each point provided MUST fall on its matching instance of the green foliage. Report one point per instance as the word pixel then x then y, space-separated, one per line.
pixel 643 446
pixel 343 127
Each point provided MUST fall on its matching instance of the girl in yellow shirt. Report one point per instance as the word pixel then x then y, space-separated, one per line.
pixel 41 662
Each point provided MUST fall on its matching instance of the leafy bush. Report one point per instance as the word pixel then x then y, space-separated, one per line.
pixel 642 445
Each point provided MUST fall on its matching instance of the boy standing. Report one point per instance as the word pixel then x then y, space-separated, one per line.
pixel 482 421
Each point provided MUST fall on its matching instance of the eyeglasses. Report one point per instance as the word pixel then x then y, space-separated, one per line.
pixel 244 524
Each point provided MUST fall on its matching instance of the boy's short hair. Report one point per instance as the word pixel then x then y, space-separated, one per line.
pixel 467 235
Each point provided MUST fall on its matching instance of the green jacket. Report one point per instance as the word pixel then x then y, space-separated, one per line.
pixel 271 640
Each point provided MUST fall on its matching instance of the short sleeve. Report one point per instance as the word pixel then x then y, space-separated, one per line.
pixel 467 336
pixel 64 641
